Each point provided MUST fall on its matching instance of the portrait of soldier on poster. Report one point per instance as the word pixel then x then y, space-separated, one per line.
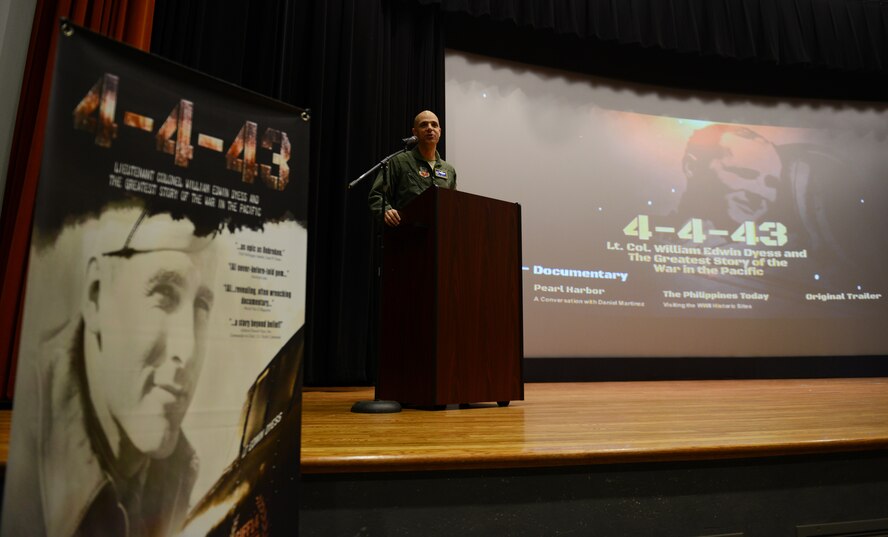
pixel 164 307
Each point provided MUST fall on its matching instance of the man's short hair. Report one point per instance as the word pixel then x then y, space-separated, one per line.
pixel 416 118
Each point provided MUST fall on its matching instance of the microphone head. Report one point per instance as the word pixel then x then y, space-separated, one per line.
pixel 409 141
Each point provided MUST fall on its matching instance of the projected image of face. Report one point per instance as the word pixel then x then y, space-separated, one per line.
pixel 733 174
pixel 145 340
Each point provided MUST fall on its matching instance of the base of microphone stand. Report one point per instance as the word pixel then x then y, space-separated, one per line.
pixel 376 407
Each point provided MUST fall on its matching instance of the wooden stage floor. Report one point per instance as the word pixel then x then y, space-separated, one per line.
pixel 571 424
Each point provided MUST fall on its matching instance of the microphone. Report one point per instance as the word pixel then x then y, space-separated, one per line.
pixel 409 141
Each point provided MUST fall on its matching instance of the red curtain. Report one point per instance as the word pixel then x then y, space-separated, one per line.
pixel 125 20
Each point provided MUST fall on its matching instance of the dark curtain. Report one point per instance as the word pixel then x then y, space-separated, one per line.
pixel 364 69
pixel 125 20
pixel 839 34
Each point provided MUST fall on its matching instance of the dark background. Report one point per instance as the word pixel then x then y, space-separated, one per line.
pixel 365 68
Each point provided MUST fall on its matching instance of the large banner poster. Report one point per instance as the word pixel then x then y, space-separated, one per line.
pixel 158 387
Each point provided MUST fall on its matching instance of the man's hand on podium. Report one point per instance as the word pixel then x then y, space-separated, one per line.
pixel 392 218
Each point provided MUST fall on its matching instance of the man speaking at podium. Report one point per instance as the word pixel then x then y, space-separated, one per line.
pixel 412 172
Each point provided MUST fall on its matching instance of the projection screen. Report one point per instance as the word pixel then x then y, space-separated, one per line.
pixel 659 222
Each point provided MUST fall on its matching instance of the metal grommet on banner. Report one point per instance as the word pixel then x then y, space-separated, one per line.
pixel 67 29
pixel 306 115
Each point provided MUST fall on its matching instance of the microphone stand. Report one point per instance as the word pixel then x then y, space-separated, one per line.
pixel 377 406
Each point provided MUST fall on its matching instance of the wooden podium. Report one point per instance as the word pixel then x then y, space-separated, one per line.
pixel 451 316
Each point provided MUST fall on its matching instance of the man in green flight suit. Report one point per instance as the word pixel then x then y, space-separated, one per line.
pixel 411 172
